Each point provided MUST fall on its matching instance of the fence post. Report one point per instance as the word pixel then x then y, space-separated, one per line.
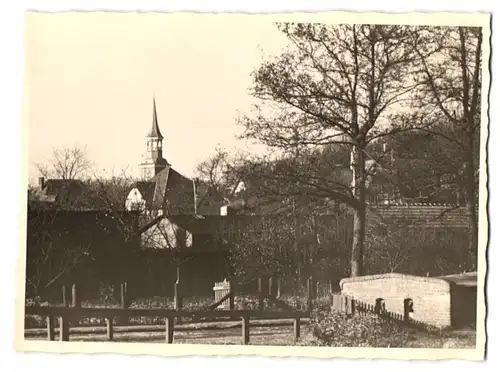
pixel 109 328
pixel 231 297
pixel 296 328
pixel 245 329
pixel 261 295
pixel 177 291
pixel 270 280
pixel 278 287
pixel 314 288
pixel 169 330
pixel 408 307
pixel 309 294
pixel 50 328
pixel 124 303
pixel 75 301
pixel 63 328
pixel 64 295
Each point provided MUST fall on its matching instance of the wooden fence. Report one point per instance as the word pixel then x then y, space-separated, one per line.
pixel 224 293
pixel 66 314
pixel 349 305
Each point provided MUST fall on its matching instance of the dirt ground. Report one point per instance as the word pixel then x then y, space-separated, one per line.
pixel 270 335
pixel 230 334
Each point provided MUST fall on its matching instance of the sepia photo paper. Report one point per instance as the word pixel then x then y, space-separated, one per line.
pixel 296 184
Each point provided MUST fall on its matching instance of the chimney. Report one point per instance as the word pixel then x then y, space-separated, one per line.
pixel 41 183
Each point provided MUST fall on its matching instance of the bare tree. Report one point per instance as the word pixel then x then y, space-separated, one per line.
pixel 339 84
pixel 66 163
pixel 221 173
pixel 52 254
pixel 451 89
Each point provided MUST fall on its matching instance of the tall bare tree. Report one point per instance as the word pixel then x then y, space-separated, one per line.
pixel 341 84
pixel 66 163
pixel 452 90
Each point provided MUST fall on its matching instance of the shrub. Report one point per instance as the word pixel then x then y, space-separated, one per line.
pixel 32 321
pixel 342 330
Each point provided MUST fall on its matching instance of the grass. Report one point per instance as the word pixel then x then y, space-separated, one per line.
pixel 449 339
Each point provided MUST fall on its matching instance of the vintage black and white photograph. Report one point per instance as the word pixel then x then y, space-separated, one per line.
pixel 255 180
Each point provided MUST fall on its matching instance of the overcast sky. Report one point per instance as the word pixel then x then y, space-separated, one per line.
pixel 90 80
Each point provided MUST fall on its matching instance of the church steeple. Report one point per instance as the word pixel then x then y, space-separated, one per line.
pixel 155 129
pixel 154 161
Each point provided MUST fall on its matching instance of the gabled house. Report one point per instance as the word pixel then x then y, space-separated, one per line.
pixel 60 193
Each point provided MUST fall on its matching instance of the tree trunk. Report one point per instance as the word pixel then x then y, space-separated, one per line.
pixel 358 241
pixel 359 220
pixel 470 211
pixel 470 101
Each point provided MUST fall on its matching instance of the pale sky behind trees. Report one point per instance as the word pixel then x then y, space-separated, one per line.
pixel 90 80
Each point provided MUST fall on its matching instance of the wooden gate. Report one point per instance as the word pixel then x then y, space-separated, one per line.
pixel 222 289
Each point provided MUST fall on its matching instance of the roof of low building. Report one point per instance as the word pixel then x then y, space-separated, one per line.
pixel 463 279
pixel 421 214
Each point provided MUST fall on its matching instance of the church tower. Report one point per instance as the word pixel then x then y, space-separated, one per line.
pixel 153 162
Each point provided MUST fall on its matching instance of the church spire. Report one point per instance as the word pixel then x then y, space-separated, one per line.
pixel 155 129
pixel 154 162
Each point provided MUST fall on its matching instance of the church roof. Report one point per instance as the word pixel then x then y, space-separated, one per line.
pixel 155 129
pixel 177 194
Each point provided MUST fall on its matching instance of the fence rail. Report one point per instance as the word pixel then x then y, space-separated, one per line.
pixel 65 314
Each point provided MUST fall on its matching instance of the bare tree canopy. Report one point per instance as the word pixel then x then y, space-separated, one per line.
pixel 355 84
pixel 67 163
pixel 342 84
pixel 451 92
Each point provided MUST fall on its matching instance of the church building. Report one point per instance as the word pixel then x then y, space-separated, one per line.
pixel 185 222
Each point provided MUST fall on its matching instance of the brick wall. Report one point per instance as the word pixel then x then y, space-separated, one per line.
pixel 431 296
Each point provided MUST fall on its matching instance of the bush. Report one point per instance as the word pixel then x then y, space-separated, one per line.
pixel 30 320
pixel 341 330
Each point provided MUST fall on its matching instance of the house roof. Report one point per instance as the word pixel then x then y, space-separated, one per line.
pixel 420 214
pixel 61 190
